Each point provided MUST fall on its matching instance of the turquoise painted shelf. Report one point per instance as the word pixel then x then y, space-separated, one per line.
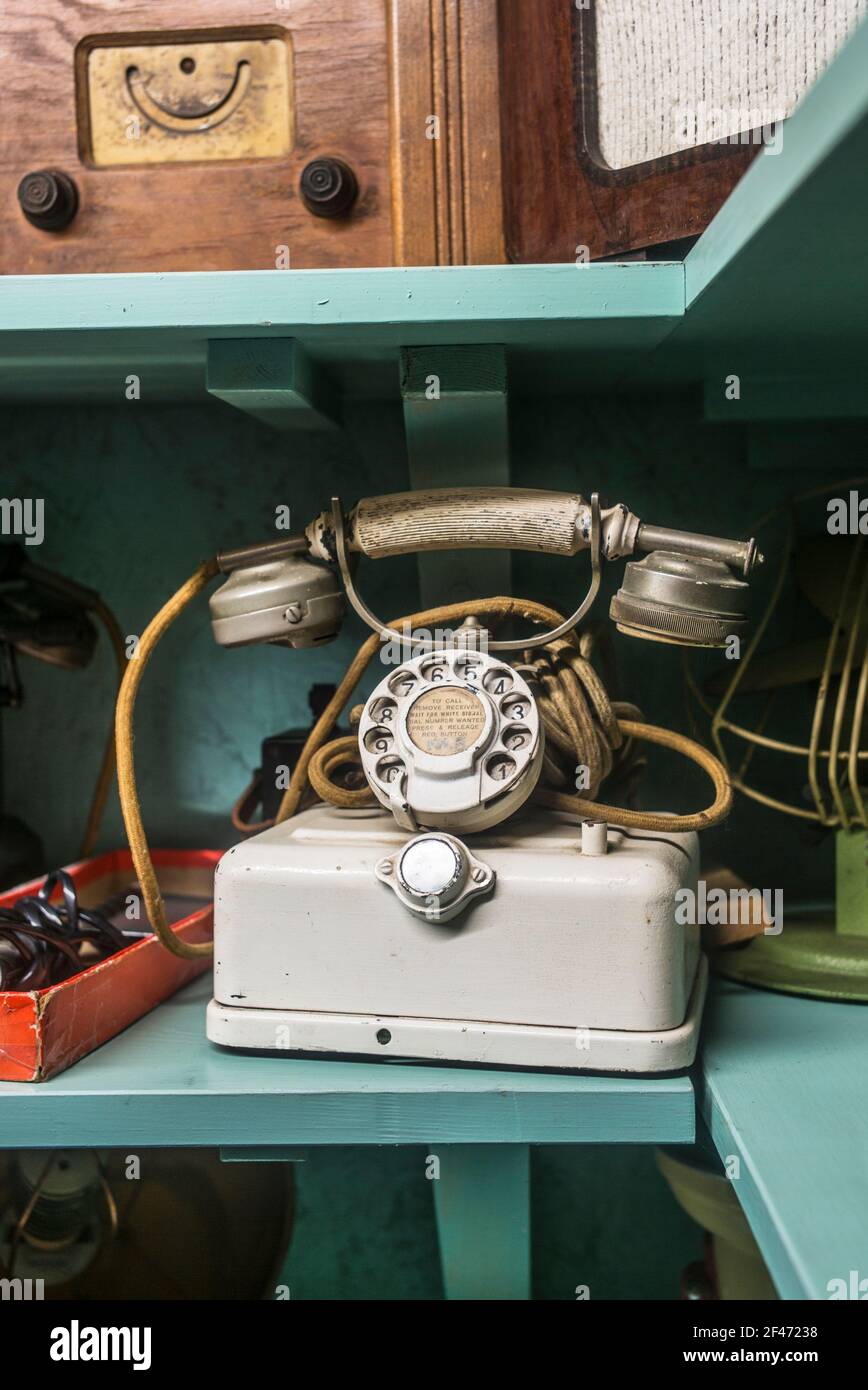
pixel 162 1083
pixel 781 1085
pixel 785 1090
pixel 774 291
pixel 78 336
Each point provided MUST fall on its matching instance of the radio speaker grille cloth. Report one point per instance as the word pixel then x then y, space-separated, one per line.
pixel 675 75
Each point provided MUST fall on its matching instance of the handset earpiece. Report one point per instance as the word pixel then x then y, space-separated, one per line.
pixel 276 593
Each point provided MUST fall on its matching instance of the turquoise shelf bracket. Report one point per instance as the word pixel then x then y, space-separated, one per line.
pixel 455 419
pixel 482 1204
pixel 274 380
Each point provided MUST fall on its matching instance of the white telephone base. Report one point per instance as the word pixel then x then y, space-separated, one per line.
pixel 573 961
pixel 452 1040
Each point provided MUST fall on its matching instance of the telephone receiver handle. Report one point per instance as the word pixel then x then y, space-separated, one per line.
pixel 470 518
pixel 508 518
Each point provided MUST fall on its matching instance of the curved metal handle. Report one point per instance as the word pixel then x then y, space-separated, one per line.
pixel 521 644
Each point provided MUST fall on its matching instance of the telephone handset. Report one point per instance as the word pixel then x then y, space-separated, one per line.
pixel 688 591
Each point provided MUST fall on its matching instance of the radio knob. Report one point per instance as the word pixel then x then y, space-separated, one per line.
pixel 48 199
pixel 328 187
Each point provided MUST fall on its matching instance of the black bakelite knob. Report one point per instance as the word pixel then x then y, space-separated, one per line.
pixel 328 187
pixel 48 198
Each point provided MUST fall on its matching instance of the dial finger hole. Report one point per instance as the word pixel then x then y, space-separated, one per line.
pixel 384 711
pixel 402 682
pixel 499 682
pixel 436 670
pixel 389 769
pixel 516 738
pixel 500 767
pixel 379 740
pixel 468 668
pixel 515 708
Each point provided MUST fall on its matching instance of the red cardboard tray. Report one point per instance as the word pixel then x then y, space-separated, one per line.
pixel 43 1031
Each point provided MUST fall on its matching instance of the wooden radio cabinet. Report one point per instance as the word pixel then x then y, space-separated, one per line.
pixel 216 135
pixel 157 135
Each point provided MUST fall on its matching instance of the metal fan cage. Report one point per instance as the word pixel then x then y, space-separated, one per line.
pixel 837 749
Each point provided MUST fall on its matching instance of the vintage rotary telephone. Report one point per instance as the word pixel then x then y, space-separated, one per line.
pixel 455 739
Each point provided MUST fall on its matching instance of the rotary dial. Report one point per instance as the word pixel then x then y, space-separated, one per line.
pixel 452 739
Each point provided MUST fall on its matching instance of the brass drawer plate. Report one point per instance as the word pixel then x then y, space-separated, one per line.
pixel 176 98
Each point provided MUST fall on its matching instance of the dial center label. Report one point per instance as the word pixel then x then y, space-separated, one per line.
pixel 446 721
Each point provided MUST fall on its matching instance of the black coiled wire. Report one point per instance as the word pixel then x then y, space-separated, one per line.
pixel 47 939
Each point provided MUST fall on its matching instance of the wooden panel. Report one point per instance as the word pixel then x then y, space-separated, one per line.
pixel 414 187
pixel 558 195
pixel 447 199
pixel 198 216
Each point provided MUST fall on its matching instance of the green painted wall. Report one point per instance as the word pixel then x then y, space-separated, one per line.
pixel 135 497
